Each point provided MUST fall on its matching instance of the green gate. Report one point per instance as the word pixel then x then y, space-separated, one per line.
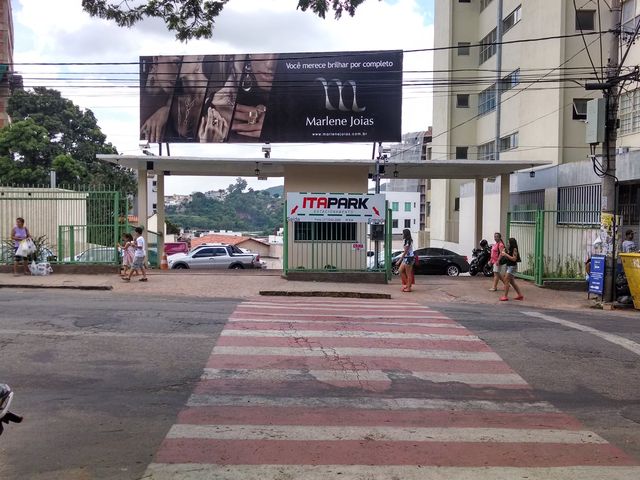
pixel 553 244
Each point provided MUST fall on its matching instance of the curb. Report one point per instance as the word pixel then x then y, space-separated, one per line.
pixel 62 287
pixel 284 293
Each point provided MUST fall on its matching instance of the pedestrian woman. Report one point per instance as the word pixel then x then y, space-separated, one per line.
pixel 512 257
pixel 406 261
pixel 18 233
pixel 498 270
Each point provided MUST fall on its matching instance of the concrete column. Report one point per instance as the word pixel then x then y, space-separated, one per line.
pixel 505 192
pixel 161 215
pixel 142 202
pixel 479 206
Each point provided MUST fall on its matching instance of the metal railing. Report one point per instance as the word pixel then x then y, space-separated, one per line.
pixel 551 248
pixel 73 224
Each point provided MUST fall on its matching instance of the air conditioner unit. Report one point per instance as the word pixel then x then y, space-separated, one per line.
pixel 622 150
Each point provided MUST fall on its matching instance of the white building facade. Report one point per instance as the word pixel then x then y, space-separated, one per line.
pixel 520 100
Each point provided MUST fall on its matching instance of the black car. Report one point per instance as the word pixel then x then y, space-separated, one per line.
pixel 439 261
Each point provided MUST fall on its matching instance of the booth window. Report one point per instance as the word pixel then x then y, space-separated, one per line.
pixel 325 232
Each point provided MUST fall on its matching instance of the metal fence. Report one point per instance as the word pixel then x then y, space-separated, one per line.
pixel 70 224
pixel 551 248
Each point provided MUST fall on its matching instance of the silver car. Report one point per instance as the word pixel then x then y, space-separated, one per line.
pixel 208 256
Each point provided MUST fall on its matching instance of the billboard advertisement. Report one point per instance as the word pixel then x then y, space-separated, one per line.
pixel 298 97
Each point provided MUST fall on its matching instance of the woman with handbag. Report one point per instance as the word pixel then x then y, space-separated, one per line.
pixel 19 233
pixel 498 269
pixel 406 261
pixel 511 257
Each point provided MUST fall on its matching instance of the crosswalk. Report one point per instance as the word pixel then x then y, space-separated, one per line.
pixel 370 390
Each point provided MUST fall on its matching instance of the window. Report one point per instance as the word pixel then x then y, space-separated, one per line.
pixel 487 100
pixel 585 19
pixel 629 19
pixel 580 108
pixel 509 142
pixel 407 206
pixel 407 223
pixel 511 19
pixel 428 209
pixel 487 151
pixel 462 101
pixel 325 232
pixel 394 223
pixel 484 4
pixel 464 1
pixel 523 206
pixel 395 206
pixel 456 204
pixel 488 46
pixel 511 80
pixel 579 205
pixel 629 112
pixel 462 153
pixel 463 48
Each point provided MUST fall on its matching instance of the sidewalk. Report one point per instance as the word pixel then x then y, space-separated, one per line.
pixel 247 284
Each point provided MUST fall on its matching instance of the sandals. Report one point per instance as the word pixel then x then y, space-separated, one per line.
pixel 520 297
pixel 143 279
pixel 504 299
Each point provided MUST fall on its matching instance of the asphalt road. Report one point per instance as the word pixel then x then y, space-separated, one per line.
pixel 101 378
pixel 580 373
pixel 98 378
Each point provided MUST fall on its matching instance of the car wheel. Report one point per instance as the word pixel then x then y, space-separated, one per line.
pixel 453 270
pixel 180 266
pixel 236 266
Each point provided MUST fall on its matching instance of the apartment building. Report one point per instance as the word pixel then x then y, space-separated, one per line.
pixel 510 99
pixel 6 57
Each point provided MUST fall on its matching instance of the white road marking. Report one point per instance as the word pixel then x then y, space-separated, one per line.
pixel 320 351
pixel 346 321
pixel 294 333
pixel 196 471
pixel 610 337
pixel 382 434
pixel 362 376
pixel 341 315
pixel 375 403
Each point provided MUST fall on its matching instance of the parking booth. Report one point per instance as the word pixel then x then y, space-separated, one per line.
pixel 332 235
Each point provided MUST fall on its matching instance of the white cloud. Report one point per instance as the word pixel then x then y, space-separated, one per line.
pixel 61 32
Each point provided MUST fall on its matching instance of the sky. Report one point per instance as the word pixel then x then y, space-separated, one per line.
pixel 61 32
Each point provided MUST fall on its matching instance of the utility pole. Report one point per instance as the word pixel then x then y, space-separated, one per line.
pixel 609 182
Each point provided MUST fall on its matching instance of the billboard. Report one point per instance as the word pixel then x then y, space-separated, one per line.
pixel 298 97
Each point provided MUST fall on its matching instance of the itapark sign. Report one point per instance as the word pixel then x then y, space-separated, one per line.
pixel 335 207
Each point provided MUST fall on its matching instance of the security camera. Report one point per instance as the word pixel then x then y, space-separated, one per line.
pixel 267 151
pixel 532 174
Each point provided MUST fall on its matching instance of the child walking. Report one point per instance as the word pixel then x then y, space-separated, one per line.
pixel 127 249
pixel 138 257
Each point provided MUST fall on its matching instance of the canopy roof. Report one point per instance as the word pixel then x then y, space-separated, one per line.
pixel 275 167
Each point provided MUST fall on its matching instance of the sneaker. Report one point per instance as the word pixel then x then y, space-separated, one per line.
pixel 504 299
pixel 493 289
pixel 143 279
pixel 519 297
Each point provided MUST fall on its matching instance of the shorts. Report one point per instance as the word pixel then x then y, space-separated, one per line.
pixel 497 268
pixel 512 269
pixel 138 263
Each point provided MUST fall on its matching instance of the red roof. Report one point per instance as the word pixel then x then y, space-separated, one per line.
pixel 218 238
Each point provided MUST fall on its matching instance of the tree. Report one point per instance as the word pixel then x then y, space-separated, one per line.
pixel 191 19
pixel 50 132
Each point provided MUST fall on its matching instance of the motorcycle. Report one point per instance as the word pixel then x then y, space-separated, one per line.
pixel 6 395
pixel 480 260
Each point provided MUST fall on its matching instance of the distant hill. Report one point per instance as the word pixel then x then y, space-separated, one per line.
pixel 277 190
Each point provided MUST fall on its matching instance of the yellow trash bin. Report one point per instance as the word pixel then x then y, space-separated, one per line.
pixel 631 264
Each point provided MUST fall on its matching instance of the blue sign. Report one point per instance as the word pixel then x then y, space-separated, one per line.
pixel 596 274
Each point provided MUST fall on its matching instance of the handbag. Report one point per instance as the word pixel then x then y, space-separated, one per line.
pixel 503 261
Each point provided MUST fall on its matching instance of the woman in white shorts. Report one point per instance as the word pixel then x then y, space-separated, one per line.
pixel 512 257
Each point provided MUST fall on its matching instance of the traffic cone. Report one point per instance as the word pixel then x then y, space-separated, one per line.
pixel 164 265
